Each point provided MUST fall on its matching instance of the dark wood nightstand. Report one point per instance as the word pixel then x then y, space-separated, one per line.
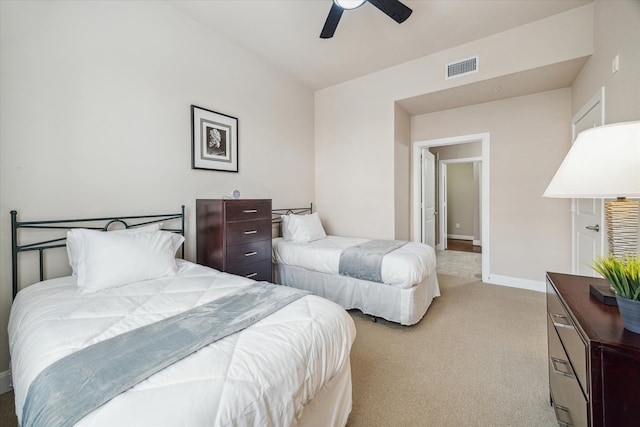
pixel 234 235
pixel 594 363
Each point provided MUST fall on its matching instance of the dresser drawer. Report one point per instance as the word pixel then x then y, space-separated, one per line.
pixel 569 402
pixel 573 345
pixel 248 231
pixel 244 210
pixel 260 270
pixel 248 253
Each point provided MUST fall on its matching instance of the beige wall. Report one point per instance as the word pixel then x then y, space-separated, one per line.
pixel 354 155
pixel 616 32
pixel 461 197
pixel 529 233
pixel 477 203
pixel 458 151
pixel 402 165
pixel 96 121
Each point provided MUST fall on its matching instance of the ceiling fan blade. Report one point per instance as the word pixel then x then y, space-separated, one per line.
pixel 393 8
pixel 331 23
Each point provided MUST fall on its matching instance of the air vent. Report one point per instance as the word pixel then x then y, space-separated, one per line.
pixel 459 68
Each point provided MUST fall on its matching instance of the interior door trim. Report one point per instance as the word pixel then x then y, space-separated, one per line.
pixel 596 100
pixel 485 140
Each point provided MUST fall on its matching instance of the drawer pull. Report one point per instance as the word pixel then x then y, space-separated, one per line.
pixel 562 318
pixel 251 232
pixel 250 211
pixel 563 413
pixel 562 325
pixel 567 372
pixel 251 253
pixel 249 276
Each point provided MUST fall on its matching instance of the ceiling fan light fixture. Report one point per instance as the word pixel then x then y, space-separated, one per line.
pixel 349 4
pixel 394 9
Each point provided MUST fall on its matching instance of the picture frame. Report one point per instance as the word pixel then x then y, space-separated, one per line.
pixel 214 140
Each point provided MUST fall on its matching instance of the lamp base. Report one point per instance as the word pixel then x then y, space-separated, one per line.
pixel 622 226
pixel 604 294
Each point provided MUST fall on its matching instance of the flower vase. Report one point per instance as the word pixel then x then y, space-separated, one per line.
pixel 630 313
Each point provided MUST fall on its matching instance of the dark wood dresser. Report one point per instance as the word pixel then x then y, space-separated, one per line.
pixel 234 235
pixel 594 363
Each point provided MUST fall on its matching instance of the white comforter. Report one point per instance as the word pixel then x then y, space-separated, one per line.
pixel 404 267
pixel 264 375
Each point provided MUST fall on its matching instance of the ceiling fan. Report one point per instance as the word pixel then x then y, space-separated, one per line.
pixel 393 8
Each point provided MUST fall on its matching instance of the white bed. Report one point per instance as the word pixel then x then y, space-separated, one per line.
pixel 311 262
pixel 290 368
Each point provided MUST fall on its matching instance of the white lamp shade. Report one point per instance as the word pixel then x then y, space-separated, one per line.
pixel 603 162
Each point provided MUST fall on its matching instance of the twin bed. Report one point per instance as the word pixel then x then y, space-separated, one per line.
pixel 400 289
pixel 136 336
pixel 290 367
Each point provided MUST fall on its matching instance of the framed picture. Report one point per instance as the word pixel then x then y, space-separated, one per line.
pixel 214 139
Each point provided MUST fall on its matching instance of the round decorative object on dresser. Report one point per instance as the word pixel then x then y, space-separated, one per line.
pixel 630 313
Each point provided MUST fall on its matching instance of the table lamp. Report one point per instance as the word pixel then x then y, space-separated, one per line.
pixel 604 162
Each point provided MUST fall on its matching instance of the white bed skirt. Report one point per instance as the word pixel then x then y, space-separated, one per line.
pixel 404 306
pixel 331 406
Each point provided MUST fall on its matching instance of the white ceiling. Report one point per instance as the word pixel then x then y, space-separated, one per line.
pixel 285 33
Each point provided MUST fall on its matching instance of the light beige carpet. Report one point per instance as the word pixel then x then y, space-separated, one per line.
pixel 7 412
pixel 477 358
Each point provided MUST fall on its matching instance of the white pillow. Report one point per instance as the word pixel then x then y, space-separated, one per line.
pixel 304 228
pixel 109 260
pixel 286 234
pixel 73 251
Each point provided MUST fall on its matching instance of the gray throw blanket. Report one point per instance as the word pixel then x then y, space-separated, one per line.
pixel 364 261
pixel 75 385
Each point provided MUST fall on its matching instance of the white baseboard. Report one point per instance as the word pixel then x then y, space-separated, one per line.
pixel 515 282
pixel 5 382
pixel 459 237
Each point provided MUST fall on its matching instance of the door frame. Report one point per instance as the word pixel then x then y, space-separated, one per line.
pixel 424 157
pixel 597 100
pixel 485 140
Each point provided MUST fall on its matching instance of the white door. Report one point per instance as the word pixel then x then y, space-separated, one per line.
pixel 587 214
pixel 428 198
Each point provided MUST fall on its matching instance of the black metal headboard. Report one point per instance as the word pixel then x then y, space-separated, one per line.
pixel 276 215
pixel 89 223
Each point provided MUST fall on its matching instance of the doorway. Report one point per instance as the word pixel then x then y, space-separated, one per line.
pixel 459 202
pixel 418 191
